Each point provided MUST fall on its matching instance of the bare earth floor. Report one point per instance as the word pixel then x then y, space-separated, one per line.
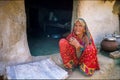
pixel 109 68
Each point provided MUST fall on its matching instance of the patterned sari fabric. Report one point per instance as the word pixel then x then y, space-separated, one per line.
pixel 87 62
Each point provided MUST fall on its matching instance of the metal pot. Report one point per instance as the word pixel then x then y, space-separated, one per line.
pixel 109 44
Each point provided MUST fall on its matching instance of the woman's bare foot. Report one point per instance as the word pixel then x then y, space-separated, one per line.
pixel 69 71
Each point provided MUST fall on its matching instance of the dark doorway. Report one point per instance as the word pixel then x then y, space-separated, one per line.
pixel 47 22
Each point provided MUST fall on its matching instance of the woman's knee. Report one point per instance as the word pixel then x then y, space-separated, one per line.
pixel 63 41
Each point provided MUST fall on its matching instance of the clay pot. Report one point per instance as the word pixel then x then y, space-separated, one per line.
pixel 109 45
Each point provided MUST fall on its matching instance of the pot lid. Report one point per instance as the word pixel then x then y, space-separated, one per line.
pixel 110 38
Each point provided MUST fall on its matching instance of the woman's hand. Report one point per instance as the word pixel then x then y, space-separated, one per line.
pixel 73 41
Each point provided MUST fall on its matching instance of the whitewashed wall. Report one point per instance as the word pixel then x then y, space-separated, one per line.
pixel 13 39
pixel 98 16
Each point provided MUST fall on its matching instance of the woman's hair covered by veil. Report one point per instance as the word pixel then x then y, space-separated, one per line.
pixel 83 23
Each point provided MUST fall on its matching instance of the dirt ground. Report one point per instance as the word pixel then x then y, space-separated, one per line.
pixel 109 67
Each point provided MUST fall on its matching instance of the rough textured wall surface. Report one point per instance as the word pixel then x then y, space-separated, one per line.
pixel 13 40
pixel 99 17
pixel 75 10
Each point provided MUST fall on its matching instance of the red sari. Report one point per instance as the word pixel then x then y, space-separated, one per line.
pixel 87 62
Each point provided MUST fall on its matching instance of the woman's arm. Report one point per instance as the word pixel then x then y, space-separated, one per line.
pixel 73 41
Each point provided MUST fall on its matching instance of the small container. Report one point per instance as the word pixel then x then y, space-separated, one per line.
pixel 56 36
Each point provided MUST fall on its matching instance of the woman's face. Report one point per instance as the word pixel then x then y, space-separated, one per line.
pixel 78 28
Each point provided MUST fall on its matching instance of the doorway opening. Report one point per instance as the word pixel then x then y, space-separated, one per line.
pixel 47 22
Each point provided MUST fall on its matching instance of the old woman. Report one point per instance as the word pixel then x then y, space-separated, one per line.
pixel 78 49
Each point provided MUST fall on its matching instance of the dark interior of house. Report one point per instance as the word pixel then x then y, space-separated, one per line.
pixel 47 22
